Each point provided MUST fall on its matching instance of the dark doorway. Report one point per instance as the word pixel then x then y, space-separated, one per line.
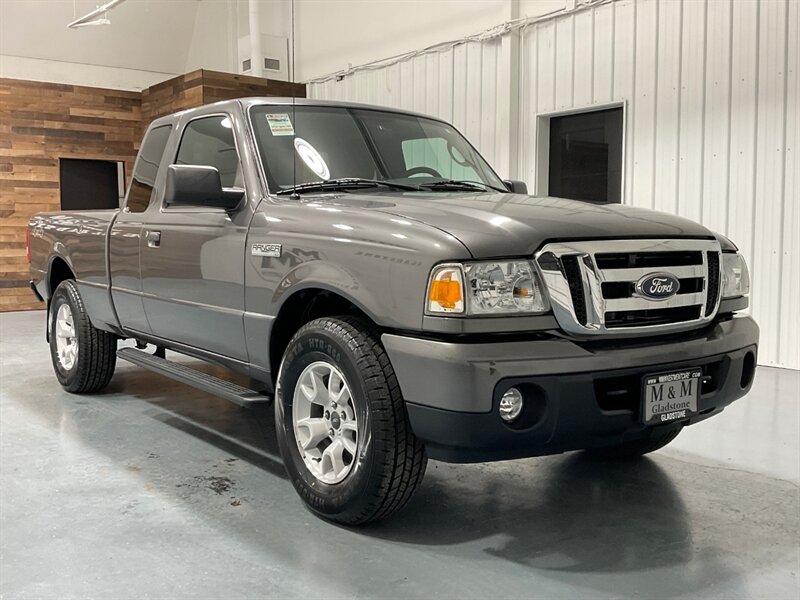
pixel 586 156
pixel 88 184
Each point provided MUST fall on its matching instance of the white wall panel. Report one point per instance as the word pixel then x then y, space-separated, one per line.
pixel 564 62
pixel 583 58
pixel 710 89
pixel 789 318
pixel 770 177
pixel 718 119
pixel 623 73
pixel 529 89
pixel 602 54
pixel 643 119
pixel 692 112
pixel 544 69
pixel 744 102
pixel 668 99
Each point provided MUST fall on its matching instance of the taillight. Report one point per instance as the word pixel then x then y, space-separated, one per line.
pixel 28 243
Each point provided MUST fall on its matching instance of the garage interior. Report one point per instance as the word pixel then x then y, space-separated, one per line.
pixel 155 489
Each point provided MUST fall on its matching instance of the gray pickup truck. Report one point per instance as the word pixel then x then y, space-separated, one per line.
pixel 368 270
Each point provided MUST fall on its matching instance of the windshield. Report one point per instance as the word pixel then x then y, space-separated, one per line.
pixel 308 144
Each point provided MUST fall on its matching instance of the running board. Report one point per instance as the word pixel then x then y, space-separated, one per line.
pixel 202 381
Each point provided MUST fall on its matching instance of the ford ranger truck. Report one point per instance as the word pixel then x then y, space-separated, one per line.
pixel 372 276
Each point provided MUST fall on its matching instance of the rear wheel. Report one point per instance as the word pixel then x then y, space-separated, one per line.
pixel 83 356
pixel 342 426
pixel 635 448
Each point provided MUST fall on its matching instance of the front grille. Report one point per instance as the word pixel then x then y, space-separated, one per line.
pixel 592 285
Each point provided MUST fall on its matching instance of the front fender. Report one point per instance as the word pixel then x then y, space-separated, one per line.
pixel 376 261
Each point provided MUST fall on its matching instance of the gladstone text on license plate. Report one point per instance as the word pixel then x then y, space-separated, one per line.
pixel 671 396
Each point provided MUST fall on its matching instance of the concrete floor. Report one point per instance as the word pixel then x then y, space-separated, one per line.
pixel 155 490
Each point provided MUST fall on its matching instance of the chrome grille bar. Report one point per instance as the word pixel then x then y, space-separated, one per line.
pixel 635 303
pixel 635 273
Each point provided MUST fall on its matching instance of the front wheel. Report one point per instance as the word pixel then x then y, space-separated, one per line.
pixel 342 426
pixel 83 356
pixel 636 448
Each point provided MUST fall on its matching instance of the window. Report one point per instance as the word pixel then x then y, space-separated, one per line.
pixel 434 154
pixel 146 169
pixel 208 141
pixel 90 184
pixel 585 161
pixel 302 144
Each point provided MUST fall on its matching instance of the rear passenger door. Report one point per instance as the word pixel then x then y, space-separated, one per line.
pixel 192 258
pixel 125 275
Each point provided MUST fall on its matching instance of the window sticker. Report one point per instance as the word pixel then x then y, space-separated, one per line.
pixel 312 158
pixel 280 124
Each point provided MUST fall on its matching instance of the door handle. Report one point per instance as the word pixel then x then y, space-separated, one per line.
pixel 153 239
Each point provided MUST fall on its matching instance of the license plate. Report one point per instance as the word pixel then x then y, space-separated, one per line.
pixel 671 396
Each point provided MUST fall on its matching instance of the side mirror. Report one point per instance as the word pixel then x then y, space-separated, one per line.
pixel 196 185
pixel 516 187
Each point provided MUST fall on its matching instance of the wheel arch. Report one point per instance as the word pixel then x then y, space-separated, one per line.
pixel 57 271
pixel 302 306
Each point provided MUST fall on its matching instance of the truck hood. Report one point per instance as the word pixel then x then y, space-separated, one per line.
pixel 495 225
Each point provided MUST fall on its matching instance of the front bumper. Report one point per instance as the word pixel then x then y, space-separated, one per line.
pixel 581 395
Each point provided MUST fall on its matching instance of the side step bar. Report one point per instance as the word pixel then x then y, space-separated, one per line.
pixel 203 381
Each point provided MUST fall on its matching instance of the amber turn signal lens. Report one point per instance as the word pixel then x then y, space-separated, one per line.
pixel 446 292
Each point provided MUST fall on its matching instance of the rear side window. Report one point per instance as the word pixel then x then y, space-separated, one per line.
pixel 209 142
pixel 146 169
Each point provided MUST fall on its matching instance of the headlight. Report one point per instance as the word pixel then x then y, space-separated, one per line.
pixel 735 278
pixel 504 287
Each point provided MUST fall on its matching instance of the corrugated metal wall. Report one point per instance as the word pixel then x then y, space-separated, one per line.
pixel 710 90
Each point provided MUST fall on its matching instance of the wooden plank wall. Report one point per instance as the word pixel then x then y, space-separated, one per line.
pixel 172 95
pixel 204 87
pixel 42 122
pixel 224 86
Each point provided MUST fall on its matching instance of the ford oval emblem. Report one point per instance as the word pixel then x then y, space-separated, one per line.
pixel 658 286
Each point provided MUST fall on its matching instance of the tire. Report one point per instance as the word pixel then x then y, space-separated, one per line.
pixel 90 366
pixel 635 448
pixel 388 462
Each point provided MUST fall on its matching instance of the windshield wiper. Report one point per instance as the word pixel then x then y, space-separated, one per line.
pixel 344 183
pixel 455 184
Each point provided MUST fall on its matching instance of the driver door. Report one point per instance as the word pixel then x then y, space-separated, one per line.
pixel 192 258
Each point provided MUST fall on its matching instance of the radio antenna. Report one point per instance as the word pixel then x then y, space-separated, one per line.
pixel 292 78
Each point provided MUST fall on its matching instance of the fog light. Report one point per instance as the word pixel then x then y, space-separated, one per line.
pixel 510 405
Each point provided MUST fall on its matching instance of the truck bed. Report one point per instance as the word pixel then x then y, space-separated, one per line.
pixel 80 240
